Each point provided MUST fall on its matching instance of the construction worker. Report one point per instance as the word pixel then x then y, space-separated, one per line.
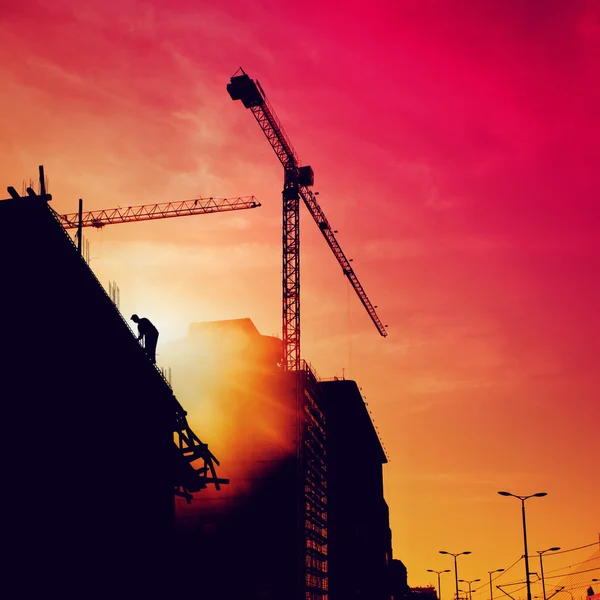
pixel 149 334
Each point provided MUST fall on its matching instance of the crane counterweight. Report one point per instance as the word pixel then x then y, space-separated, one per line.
pixel 244 89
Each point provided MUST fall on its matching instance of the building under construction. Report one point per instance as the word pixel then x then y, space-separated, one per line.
pixel 265 534
pixel 304 515
pixel 102 448
pixel 91 428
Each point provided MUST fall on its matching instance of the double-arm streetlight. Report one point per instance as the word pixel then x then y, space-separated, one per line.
pixel 439 584
pixel 456 568
pixel 490 573
pixel 469 582
pixel 522 499
pixel 540 552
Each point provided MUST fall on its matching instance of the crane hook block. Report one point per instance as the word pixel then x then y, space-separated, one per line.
pixel 244 89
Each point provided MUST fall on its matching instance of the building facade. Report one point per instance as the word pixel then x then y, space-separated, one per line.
pixel 399 587
pixel 88 435
pixel 360 547
pixel 264 536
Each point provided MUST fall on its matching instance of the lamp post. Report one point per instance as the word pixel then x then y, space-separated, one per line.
pixel 522 499
pixel 439 584
pixel 456 568
pixel 469 582
pixel 490 574
pixel 540 552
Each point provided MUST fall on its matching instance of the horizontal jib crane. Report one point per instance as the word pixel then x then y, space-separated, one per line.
pixel 148 212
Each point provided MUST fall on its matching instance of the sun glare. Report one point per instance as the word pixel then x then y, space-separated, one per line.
pixel 226 376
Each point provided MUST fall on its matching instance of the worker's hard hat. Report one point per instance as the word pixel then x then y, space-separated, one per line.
pixel 135 318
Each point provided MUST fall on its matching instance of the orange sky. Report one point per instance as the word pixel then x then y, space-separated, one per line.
pixel 456 151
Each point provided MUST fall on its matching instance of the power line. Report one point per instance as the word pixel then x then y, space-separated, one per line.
pixel 574 573
pixel 483 588
pixel 573 549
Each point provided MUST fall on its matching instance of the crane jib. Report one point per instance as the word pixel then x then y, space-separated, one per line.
pixel 148 212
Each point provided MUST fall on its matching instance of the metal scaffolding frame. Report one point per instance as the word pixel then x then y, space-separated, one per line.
pixel 313 495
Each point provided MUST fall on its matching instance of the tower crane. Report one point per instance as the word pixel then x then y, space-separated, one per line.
pixel 296 184
pixel 189 448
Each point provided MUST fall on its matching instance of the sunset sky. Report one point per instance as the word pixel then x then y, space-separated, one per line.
pixel 456 148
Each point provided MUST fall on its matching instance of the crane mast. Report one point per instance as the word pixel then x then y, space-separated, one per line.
pixel 297 183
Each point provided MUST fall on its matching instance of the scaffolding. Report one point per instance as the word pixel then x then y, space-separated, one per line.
pixel 313 477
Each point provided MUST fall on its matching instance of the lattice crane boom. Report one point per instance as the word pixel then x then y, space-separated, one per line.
pixel 328 233
pixel 273 129
pixel 297 182
pixel 148 212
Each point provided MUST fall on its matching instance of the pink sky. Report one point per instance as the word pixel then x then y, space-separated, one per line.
pixel 457 152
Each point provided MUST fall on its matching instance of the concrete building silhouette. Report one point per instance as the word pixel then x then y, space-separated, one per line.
pixel 312 524
pixel 93 462
pixel 265 535
pixel 399 587
pixel 360 542
pixel 424 593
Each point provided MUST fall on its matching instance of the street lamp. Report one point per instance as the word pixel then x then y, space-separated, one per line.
pixel 522 499
pixel 540 552
pixel 469 582
pixel 490 574
pixel 439 584
pixel 456 568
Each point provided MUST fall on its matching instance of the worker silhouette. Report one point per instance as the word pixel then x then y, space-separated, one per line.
pixel 149 334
